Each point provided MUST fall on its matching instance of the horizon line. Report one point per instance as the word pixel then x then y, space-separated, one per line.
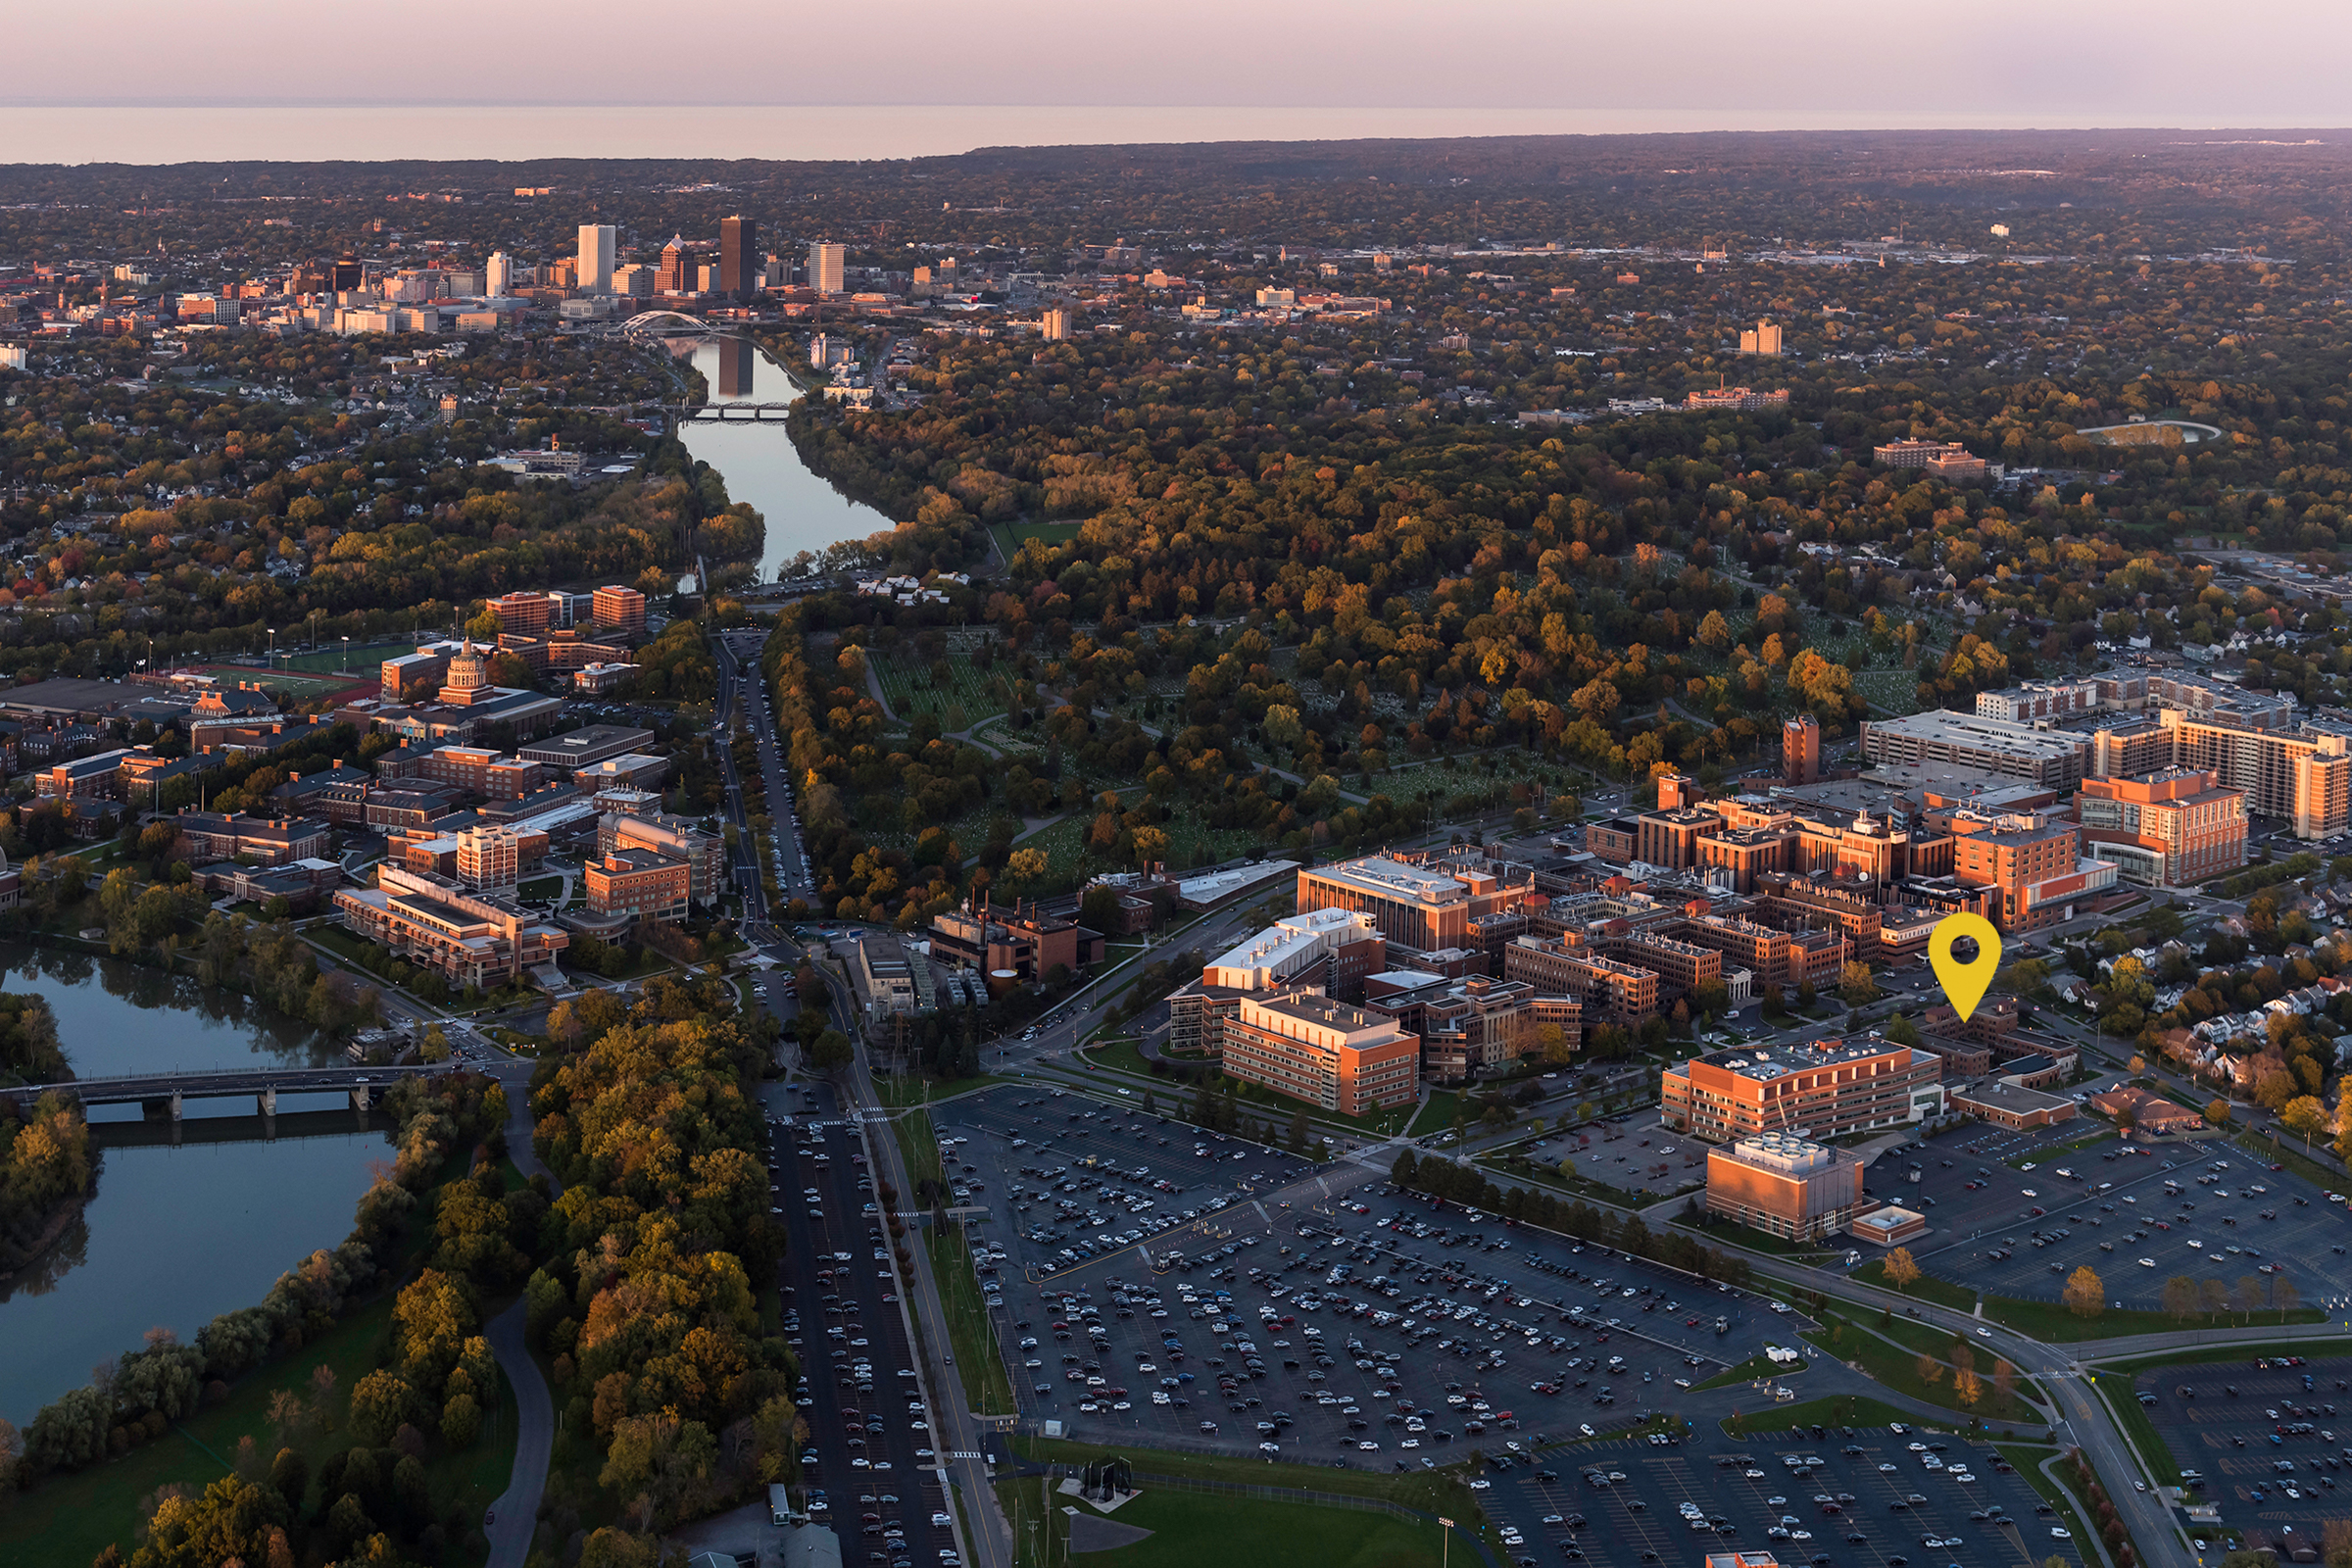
pixel 152 103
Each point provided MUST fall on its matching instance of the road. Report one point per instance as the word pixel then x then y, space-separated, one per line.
pixel 514 1516
pixel 983 1535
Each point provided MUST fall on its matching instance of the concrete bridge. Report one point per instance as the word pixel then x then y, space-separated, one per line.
pixel 167 1091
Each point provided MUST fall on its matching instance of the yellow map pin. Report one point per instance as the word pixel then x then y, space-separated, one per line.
pixel 1965 984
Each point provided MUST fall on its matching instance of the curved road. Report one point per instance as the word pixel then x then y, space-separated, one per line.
pixel 514 1516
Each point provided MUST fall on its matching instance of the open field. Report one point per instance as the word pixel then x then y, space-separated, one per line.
pixel 300 687
pixel 1189 1528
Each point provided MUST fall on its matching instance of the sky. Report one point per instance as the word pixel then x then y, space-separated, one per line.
pixel 1733 62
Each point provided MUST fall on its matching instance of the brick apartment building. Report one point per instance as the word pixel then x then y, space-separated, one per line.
pixel 1822 1089
pixel 617 609
pixel 637 885
pixel 1325 1052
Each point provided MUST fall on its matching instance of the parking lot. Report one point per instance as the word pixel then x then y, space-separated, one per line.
pixel 1633 1154
pixel 2272 1446
pixel 1852 1497
pixel 2016 1218
pixel 870 1467
pixel 1310 1308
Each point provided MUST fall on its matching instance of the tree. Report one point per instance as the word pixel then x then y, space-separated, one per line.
pixel 434 1048
pixel 1151 846
pixel 831 1051
pixel 2283 1296
pixel 2085 1294
pixel 461 1421
pixel 1901 1268
pixel 2004 1383
pixel 2249 1295
pixel 2180 1297
pixel 1024 869
pixel 1930 1370
pixel 1857 985
pixel 2303 1116
pixel 379 1404
pixel 2217 1113
pixel 2213 1297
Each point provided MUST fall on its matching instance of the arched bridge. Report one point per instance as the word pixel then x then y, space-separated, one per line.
pixel 265 1084
pixel 663 323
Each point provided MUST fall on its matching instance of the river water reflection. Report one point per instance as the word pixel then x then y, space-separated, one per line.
pixel 175 1236
pixel 760 463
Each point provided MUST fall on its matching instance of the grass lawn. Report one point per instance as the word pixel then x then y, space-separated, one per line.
pixel 2046 1322
pixel 1844 1409
pixel 2293 1159
pixel 918 1142
pixel 900 1090
pixel 1189 1528
pixel 1897 1368
pixel 2215 1355
pixel 1731 1233
pixel 910 684
pixel 986 1383
pixel 361 657
pixel 1119 1055
pixel 1926 1288
pixel 2123 1403
pixel 2053 1324
pixel 2041 1158
pixel 1439 1491
pixel 73 1518
pixel 1437 1115
pixel 1747 1371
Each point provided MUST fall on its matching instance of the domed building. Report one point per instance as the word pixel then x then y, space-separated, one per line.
pixel 468 680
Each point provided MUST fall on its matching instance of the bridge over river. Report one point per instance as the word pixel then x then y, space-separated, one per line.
pixel 164 1092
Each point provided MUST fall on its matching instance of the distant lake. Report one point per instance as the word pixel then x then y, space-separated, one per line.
pixel 147 133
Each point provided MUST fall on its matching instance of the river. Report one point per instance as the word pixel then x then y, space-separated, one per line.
pixel 174 1237
pixel 759 463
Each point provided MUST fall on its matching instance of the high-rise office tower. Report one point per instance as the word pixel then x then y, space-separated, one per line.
pixel 599 243
pixel 350 274
pixel 739 265
pixel 677 268
pixel 500 281
pixel 826 266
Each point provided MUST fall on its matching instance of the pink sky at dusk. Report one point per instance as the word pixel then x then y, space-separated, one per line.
pixel 2021 61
